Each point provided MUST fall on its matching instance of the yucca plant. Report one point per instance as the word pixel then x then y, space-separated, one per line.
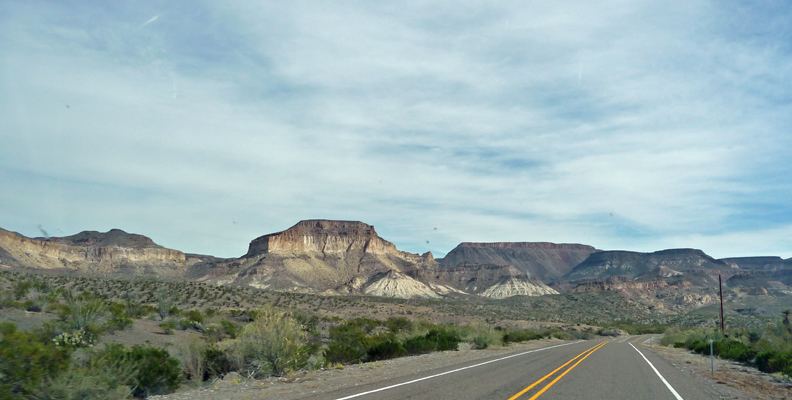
pixel 82 312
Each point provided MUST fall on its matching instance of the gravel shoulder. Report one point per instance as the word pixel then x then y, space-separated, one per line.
pixel 731 380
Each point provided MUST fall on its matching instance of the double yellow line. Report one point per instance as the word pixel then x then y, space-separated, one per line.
pixel 584 354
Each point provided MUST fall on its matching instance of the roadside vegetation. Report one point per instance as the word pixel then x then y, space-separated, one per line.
pixel 769 349
pixel 232 330
pixel 217 331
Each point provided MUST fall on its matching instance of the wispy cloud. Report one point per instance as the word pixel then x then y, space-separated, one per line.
pixel 631 125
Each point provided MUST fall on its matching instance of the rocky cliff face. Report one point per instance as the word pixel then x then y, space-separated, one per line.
pixel 544 261
pixel 610 263
pixel 348 257
pixel 322 256
pixel 758 263
pixel 616 284
pixel 115 253
pixel 323 236
pixel 497 281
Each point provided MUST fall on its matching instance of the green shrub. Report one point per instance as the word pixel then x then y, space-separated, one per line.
pixel 21 289
pixel 608 332
pixel 229 328
pixel 434 340
pixel 772 361
pixel 350 353
pixel 195 316
pixel 218 362
pixel 211 312
pixel 83 312
pixel 193 361
pixel 156 372
pixel 136 310
pixel 444 339
pixel 385 350
pixel 80 383
pixel 25 361
pixel 184 324
pixel 117 324
pixel 482 335
pixel 348 344
pixel 168 327
pixel 769 351
pixel 274 343
pixel 520 336
pixel 6 298
pixel 398 324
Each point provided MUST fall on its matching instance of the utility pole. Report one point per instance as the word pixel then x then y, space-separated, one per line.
pixel 721 299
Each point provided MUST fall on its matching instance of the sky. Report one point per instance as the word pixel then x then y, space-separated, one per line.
pixel 634 125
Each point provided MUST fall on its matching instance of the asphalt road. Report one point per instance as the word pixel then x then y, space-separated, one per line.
pixel 594 369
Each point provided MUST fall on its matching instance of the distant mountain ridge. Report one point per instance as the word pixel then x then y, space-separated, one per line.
pixel 348 257
pixel 540 260
pixel 629 263
pixel 115 253
pixel 759 263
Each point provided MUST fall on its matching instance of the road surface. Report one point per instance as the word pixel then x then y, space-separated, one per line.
pixel 619 369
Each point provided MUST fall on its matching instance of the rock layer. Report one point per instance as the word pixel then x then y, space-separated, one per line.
pixel 541 260
pixel 323 256
pixel 115 253
pixel 628 263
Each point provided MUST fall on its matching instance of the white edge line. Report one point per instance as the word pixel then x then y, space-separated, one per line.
pixel 668 385
pixel 452 371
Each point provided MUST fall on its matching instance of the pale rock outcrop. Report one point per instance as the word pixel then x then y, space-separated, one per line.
pixel 397 284
pixel 497 281
pixel 517 286
pixel 321 255
pixel 93 253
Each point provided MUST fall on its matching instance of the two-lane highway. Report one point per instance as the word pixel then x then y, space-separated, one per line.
pixel 595 369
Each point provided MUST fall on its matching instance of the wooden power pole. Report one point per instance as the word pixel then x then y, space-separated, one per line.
pixel 721 300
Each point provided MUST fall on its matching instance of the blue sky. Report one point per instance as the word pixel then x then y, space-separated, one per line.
pixel 636 125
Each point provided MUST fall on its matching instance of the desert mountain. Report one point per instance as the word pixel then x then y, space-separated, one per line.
pixel 313 256
pixel 318 256
pixel 759 263
pixel 348 257
pixel 628 263
pixel 114 253
pixel 497 281
pixel 544 261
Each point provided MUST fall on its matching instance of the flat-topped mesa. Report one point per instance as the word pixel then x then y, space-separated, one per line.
pixel 323 236
pixel 603 264
pixel 530 245
pixel 541 260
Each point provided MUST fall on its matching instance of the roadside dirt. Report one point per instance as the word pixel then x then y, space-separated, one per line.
pixel 733 379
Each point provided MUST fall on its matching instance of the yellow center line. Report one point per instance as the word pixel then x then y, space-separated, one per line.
pixel 562 375
pixel 639 338
pixel 593 349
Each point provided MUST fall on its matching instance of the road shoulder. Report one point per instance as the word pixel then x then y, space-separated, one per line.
pixel 730 381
